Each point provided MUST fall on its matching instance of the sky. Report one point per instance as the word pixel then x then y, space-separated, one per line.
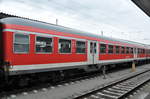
pixel 115 18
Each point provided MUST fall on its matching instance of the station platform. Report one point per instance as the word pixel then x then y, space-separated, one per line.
pixel 72 89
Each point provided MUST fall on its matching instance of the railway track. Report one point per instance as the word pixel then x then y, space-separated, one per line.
pixel 12 92
pixel 15 91
pixel 119 89
pixel 43 87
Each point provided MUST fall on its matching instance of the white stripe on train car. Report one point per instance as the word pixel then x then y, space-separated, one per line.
pixel 42 34
pixel 45 66
pixel 56 65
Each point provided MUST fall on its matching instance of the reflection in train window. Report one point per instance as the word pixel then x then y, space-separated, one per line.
pixel 131 50
pixel 102 48
pixel 64 46
pixel 80 47
pixel 127 50
pixel 21 43
pixel 43 44
pixel 110 49
pixel 122 50
pixel 117 49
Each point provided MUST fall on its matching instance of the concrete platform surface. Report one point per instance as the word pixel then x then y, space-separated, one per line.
pixel 68 90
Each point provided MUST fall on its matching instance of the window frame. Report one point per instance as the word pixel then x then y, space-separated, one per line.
pixel 127 50
pixel 100 47
pixel 143 50
pixel 14 43
pixel 76 46
pixel 112 49
pixel 131 50
pixel 43 52
pixel 124 50
pixel 65 39
pixel 139 50
pixel 116 50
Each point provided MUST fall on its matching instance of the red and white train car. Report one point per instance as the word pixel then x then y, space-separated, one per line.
pixel 29 47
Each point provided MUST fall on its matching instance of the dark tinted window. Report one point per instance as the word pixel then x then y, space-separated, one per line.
pixel 122 50
pixel 80 47
pixel 127 50
pixel 102 48
pixel 117 49
pixel 95 46
pixel 143 51
pixel 64 46
pixel 110 48
pixel 43 44
pixel 139 50
pixel 131 50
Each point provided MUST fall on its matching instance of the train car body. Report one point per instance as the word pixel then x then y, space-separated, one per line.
pixel 29 47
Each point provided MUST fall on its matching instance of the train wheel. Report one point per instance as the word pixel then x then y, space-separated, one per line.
pixel 57 76
pixel 23 82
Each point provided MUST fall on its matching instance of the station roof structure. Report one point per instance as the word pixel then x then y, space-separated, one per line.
pixel 144 5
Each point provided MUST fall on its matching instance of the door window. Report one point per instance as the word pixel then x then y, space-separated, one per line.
pixel 93 47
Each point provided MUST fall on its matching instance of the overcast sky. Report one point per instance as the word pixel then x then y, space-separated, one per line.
pixel 116 18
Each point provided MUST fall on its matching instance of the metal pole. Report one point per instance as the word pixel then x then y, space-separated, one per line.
pixel 56 21
pixel 133 66
pixel 102 33
pixel 104 72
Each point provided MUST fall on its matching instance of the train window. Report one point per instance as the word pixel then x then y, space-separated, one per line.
pixel 43 44
pixel 91 47
pixel 95 47
pixel 64 46
pixel 117 49
pixel 127 50
pixel 110 49
pixel 146 51
pixel 143 51
pixel 102 48
pixel 139 50
pixel 80 47
pixel 122 50
pixel 131 50
pixel 21 43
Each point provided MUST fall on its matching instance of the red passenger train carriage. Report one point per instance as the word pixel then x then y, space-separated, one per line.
pixel 31 47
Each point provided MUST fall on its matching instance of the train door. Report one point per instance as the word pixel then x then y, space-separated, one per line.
pixel 135 52
pixel 92 52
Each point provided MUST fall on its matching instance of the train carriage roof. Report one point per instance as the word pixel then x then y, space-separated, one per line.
pixel 44 25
